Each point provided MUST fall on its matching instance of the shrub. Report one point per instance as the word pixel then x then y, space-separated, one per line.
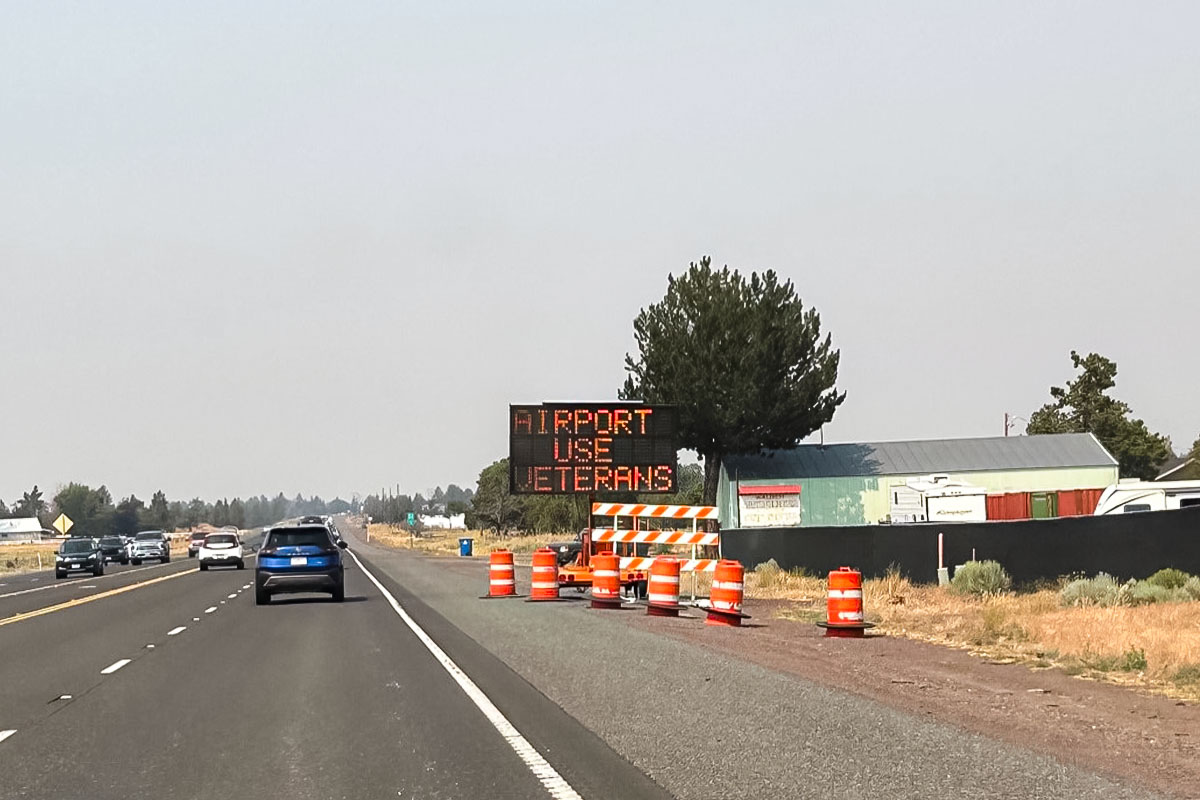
pixel 1102 590
pixel 1169 578
pixel 981 578
pixel 1132 660
pixel 769 573
pixel 1192 588
pixel 1144 593
pixel 1188 674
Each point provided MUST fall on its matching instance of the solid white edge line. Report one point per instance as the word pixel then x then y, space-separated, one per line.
pixel 5 734
pixel 554 783
pixel 175 631
pixel 116 665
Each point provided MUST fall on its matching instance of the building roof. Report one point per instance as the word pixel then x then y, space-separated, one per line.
pixel 922 457
pixel 8 527
pixel 1173 465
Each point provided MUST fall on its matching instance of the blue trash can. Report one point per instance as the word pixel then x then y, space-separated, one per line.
pixel 465 547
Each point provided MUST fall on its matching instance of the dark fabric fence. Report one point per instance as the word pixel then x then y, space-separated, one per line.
pixel 1126 546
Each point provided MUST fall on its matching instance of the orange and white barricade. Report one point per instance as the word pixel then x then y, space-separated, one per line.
pixel 625 541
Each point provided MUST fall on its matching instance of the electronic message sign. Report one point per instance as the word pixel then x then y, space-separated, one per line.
pixel 569 448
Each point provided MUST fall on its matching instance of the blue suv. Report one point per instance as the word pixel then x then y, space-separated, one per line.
pixel 299 558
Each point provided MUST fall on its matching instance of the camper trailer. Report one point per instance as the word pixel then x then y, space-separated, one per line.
pixel 1132 496
pixel 937 498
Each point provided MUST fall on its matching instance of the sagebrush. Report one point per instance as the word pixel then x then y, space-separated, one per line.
pixel 981 578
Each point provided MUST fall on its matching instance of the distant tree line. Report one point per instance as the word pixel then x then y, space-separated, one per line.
pixel 494 508
pixel 95 513
pixel 395 507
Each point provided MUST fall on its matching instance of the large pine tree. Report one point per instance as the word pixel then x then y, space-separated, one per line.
pixel 742 358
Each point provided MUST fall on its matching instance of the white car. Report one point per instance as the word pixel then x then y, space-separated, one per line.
pixel 221 550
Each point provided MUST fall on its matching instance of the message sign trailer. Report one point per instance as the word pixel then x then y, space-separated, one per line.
pixel 592 448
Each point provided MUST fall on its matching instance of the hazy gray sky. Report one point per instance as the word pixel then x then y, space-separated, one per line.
pixel 253 247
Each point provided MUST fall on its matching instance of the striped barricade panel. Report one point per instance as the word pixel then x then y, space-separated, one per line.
pixel 655 537
pixel 685 564
pixel 643 510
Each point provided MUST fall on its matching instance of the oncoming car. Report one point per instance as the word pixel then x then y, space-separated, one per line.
pixel 150 545
pixel 113 549
pixel 300 558
pixel 81 553
pixel 221 549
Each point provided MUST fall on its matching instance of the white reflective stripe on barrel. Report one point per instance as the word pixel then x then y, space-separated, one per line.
pixel 606 573
pixel 664 578
pixel 501 581
pixel 845 593
pixel 662 598
pixel 727 585
pixel 544 585
pixel 851 616
pixel 724 606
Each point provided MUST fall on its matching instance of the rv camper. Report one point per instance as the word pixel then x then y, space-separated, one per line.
pixel 937 498
pixel 1131 496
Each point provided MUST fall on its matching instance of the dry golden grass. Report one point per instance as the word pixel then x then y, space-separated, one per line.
pixel 1156 646
pixel 16 558
pixel 440 542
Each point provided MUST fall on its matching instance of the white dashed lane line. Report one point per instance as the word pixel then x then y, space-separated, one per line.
pixel 210 609
pixel 230 597
pixel 5 734
pixel 111 668
pixel 176 631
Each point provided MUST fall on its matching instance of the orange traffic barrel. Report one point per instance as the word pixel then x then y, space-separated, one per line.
pixel 543 583
pixel 662 593
pixel 501 581
pixel 725 604
pixel 606 581
pixel 844 608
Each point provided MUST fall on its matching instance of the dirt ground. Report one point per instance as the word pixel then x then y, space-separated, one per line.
pixel 1149 739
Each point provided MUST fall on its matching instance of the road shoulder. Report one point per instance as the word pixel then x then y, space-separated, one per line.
pixel 707 722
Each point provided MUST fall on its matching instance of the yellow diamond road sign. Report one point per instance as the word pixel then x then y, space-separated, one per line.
pixel 63 524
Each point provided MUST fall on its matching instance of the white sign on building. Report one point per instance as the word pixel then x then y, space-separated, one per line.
pixel 769 506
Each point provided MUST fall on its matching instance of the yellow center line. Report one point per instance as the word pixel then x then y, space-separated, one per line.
pixel 81 600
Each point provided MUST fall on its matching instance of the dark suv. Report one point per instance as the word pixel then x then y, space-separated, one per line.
pixel 113 548
pixel 299 558
pixel 79 553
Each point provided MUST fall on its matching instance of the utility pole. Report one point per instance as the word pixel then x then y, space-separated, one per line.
pixel 1010 422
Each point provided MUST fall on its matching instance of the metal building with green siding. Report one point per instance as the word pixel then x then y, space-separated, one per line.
pixel 851 484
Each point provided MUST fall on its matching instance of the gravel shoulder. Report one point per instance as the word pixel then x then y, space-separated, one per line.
pixel 777 712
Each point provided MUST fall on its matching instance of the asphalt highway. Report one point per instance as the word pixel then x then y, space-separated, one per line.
pixel 178 686
pixel 166 682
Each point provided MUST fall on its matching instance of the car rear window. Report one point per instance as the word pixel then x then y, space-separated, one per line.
pixel 300 537
pixel 149 536
pixel 77 546
pixel 110 540
pixel 220 538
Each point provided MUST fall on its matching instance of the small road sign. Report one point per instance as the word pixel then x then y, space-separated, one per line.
pixel 63 524
pixel 412 518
